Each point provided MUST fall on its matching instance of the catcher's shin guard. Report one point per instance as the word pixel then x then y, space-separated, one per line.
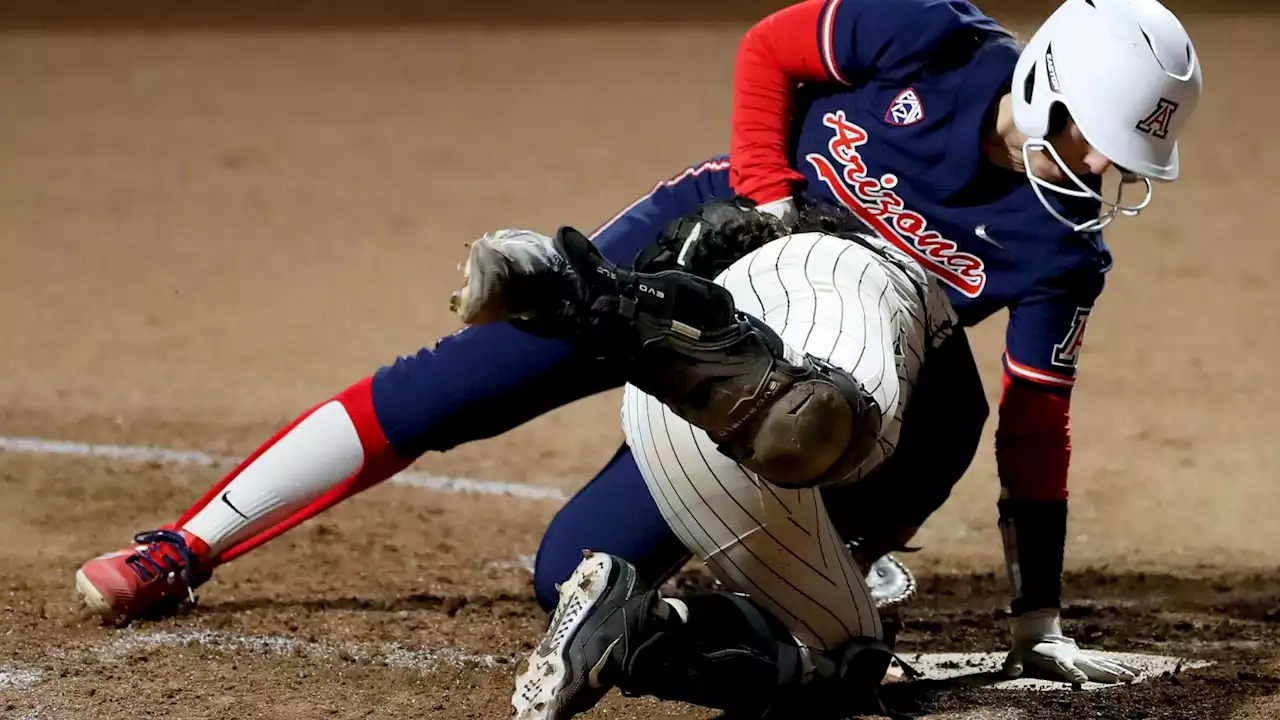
pixel 731 655
pixel 722 651
pixel 792 418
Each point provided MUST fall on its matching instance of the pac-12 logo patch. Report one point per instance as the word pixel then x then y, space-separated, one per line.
pixel 1067 352
pixel 906 109
pixel 1158 121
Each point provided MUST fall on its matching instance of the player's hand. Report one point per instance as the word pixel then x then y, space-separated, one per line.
pixel 1038 643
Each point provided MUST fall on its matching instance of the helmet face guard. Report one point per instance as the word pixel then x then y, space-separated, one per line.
pixel 1128 76
pixel 1111 208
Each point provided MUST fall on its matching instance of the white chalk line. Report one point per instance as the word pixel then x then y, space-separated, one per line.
pixel 148 454
pixel 18 677
pixel 395 655
pixel 128 642
pixel 135 453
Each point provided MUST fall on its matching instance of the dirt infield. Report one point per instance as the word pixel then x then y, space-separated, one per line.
pixel 204 232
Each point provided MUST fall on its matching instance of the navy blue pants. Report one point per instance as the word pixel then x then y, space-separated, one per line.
pixel 485 380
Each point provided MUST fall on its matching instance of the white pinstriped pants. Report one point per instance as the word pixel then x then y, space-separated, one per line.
pixel 833 299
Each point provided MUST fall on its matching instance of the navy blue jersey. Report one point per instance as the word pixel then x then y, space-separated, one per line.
pixel 897 138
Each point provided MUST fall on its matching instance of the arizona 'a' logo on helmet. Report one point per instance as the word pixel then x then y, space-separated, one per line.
pixel 1157 122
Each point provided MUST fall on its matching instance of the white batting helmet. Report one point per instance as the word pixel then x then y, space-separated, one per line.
pixel 1127 73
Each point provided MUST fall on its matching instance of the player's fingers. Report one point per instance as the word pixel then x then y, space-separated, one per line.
pixel 1134 671
pixel 1105 671
pixel 1118 668
pixel 1069 672
pixel 1102 670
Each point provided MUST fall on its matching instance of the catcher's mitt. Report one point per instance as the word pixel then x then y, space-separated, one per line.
pixel 719 233
pixel 891 582
pixel 708 241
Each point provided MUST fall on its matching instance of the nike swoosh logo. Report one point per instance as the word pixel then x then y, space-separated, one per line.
pixel 981 233
pixel 227 500
pixel 593 677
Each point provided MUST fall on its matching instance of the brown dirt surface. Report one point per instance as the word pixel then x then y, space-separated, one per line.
pixel 208 227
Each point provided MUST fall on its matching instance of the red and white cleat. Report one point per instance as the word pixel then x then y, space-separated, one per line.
pixel 162 567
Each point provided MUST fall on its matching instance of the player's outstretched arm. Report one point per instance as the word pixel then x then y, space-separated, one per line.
pixel 1033 452
pixel 783 414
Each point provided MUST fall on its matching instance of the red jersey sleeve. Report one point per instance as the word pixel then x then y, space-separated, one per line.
pixel 774 57
pixel 841 41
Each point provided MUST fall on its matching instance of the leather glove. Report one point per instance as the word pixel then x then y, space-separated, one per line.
pixel 1038 643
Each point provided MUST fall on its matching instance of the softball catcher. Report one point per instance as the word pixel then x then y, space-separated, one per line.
pixel 747 397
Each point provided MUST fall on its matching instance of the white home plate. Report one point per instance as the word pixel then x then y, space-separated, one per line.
pixel 983 669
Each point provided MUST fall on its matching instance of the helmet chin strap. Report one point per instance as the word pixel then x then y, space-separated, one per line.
pixel 1112 208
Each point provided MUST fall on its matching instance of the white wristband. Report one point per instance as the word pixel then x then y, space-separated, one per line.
pixel 1037 624
pixel 784 209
